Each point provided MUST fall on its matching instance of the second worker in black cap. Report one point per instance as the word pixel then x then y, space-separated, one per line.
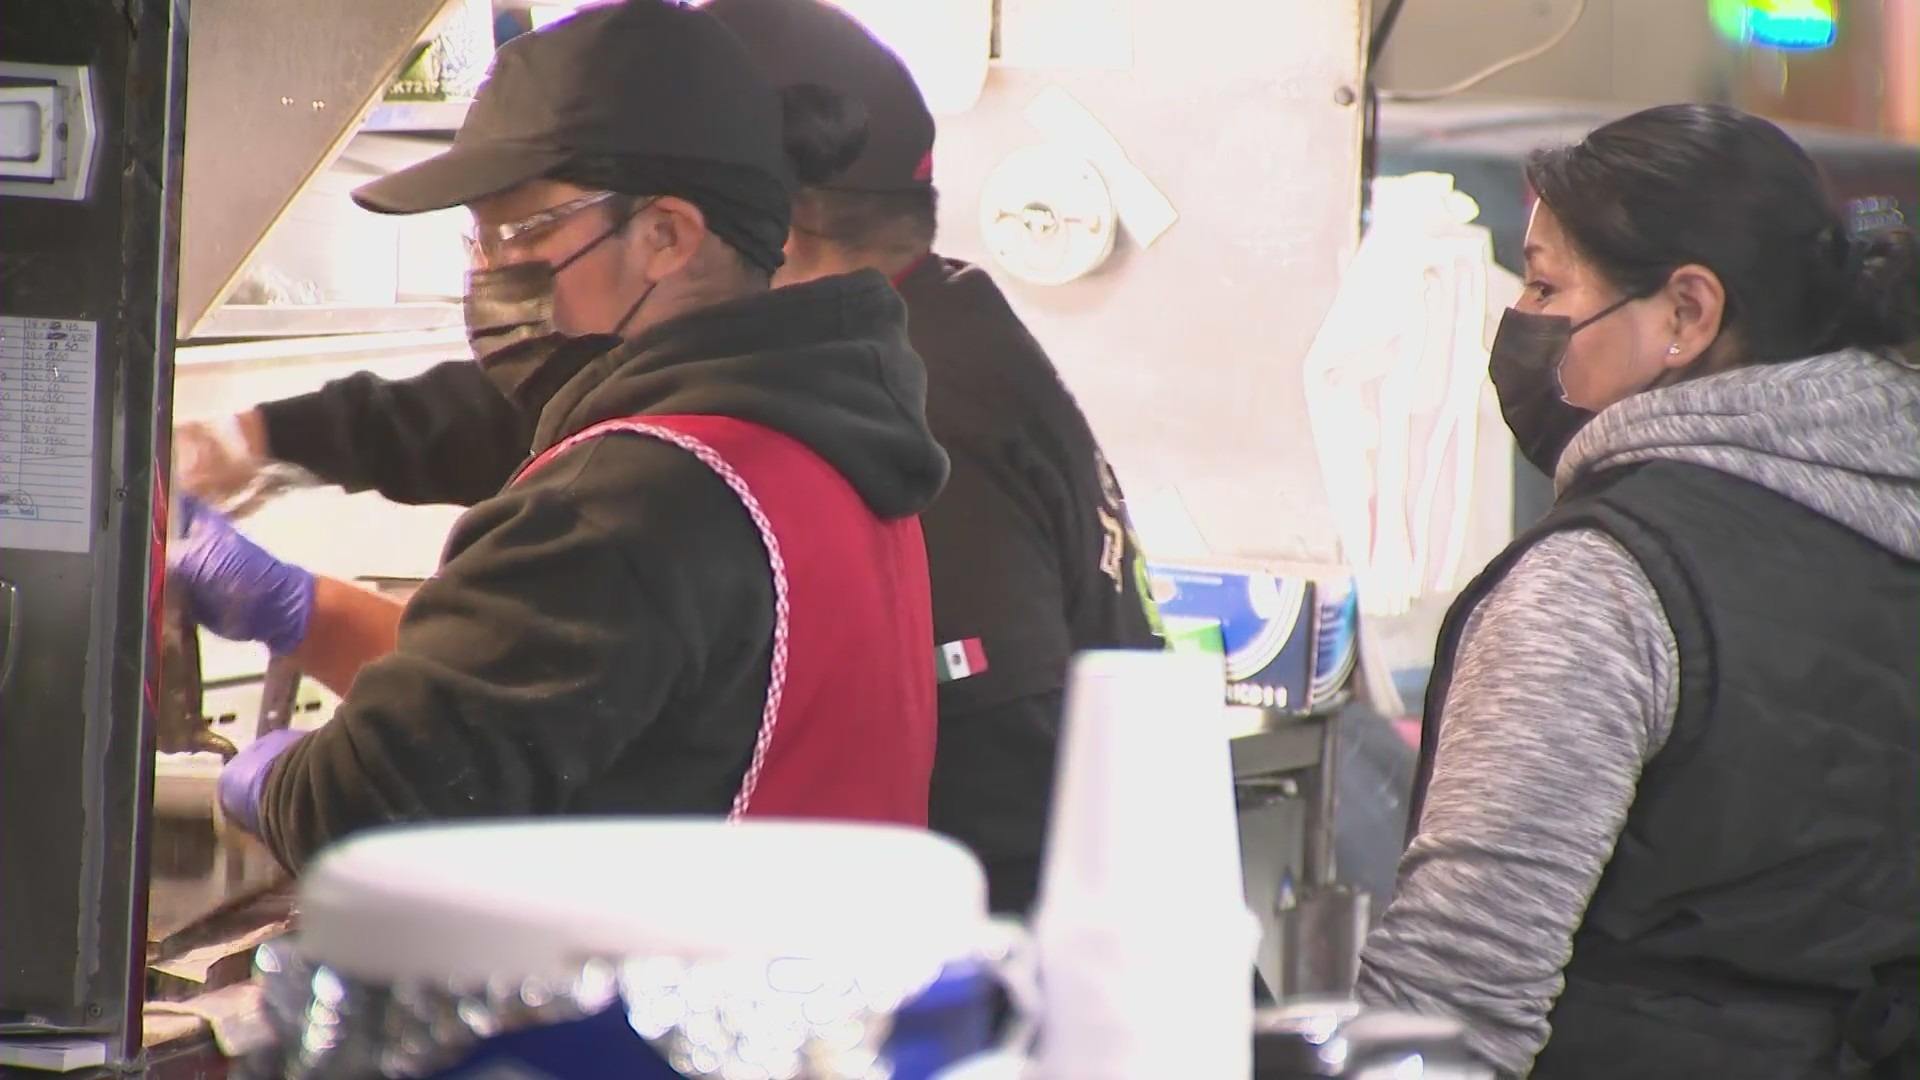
pixel 706 589
pixel 1030 546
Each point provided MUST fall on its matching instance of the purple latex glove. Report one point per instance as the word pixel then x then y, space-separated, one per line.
pixel 233 586
pixel 245 777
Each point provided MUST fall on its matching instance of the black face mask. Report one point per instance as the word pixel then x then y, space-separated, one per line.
pixel 509 312
pixel 1525 364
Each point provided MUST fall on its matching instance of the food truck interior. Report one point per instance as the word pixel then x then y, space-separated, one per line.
pixel 178 243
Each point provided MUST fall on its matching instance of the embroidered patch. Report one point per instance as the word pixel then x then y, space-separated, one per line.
pixel 960 660
pixel 1113 547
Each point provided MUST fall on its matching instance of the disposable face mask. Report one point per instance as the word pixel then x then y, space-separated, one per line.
pixel 509 314
pixel 1524 364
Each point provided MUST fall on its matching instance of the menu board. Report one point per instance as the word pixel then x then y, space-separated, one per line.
pixel 46 433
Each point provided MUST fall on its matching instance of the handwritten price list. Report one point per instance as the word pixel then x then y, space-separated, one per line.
pixel 46 433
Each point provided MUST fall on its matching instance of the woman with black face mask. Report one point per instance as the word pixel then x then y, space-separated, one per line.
pixel 1668 816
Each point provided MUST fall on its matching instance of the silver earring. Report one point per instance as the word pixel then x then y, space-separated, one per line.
pixel 1673 349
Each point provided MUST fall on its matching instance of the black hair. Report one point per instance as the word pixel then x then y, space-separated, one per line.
pixel 892 223
pixel 1713 186
pixel 826 133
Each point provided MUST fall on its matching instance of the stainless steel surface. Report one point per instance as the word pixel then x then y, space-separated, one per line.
pixel 1290 745
pixel 398 588
pixel 1187 355
pixel 350 352
pixel 186 785
pixel 1318 867
pixel 200 870
pixel 1320 940
pixel 1334 1037
pixel 316 320
pixel 279 696
pixel 10 649
pixel 1282 771
pixel 278 88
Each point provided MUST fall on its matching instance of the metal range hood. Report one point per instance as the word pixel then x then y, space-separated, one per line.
pixel 275 90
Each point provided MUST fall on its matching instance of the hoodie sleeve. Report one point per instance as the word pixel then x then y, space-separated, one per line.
pixel 1565 685
pixel 559 627
pixel 1112 605
pixel 443 436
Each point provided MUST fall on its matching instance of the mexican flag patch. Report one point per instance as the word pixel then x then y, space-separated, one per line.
pixel 960 659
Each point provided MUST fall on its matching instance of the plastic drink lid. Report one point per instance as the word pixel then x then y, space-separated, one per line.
pixel 539 899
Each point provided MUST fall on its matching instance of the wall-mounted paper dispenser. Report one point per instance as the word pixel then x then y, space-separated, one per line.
pixel 1046 216
pixel 47 131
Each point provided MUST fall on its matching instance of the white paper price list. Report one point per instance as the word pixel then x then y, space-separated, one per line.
pixel 46 433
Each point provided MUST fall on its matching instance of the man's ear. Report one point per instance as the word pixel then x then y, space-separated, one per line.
pixel 672 230
pixel 1698 308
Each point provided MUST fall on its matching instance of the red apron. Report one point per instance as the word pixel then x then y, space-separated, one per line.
pixel 847 731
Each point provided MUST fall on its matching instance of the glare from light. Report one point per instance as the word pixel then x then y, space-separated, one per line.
pixel 1787 25
pixel 944 44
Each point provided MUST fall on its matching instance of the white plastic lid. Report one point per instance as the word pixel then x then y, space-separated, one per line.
pixel 538 899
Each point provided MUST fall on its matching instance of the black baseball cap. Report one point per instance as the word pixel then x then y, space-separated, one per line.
pixel 636 79
pixel 808 41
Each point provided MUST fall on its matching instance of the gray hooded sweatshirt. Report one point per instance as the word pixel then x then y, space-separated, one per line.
pixel 1566 680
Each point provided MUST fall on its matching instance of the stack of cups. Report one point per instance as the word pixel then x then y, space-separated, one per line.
pixel 1145 943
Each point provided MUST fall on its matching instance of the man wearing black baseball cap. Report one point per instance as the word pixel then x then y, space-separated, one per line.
pixel 1031 552
pixel 706 591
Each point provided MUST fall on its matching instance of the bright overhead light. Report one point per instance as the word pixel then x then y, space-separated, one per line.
pixel 944 43
pixel 1790 25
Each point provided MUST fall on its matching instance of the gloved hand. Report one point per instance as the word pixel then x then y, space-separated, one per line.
pixel 233 586
pixel 245 777
pixel 214 459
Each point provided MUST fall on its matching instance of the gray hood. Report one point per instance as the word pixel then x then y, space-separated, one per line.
pixel 1838 434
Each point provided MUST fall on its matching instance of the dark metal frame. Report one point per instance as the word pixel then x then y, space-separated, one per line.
pixel 76 722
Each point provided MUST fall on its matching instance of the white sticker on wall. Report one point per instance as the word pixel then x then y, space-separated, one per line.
pixel 1144 209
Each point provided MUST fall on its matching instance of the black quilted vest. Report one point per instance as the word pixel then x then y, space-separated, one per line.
pixel 1760 917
